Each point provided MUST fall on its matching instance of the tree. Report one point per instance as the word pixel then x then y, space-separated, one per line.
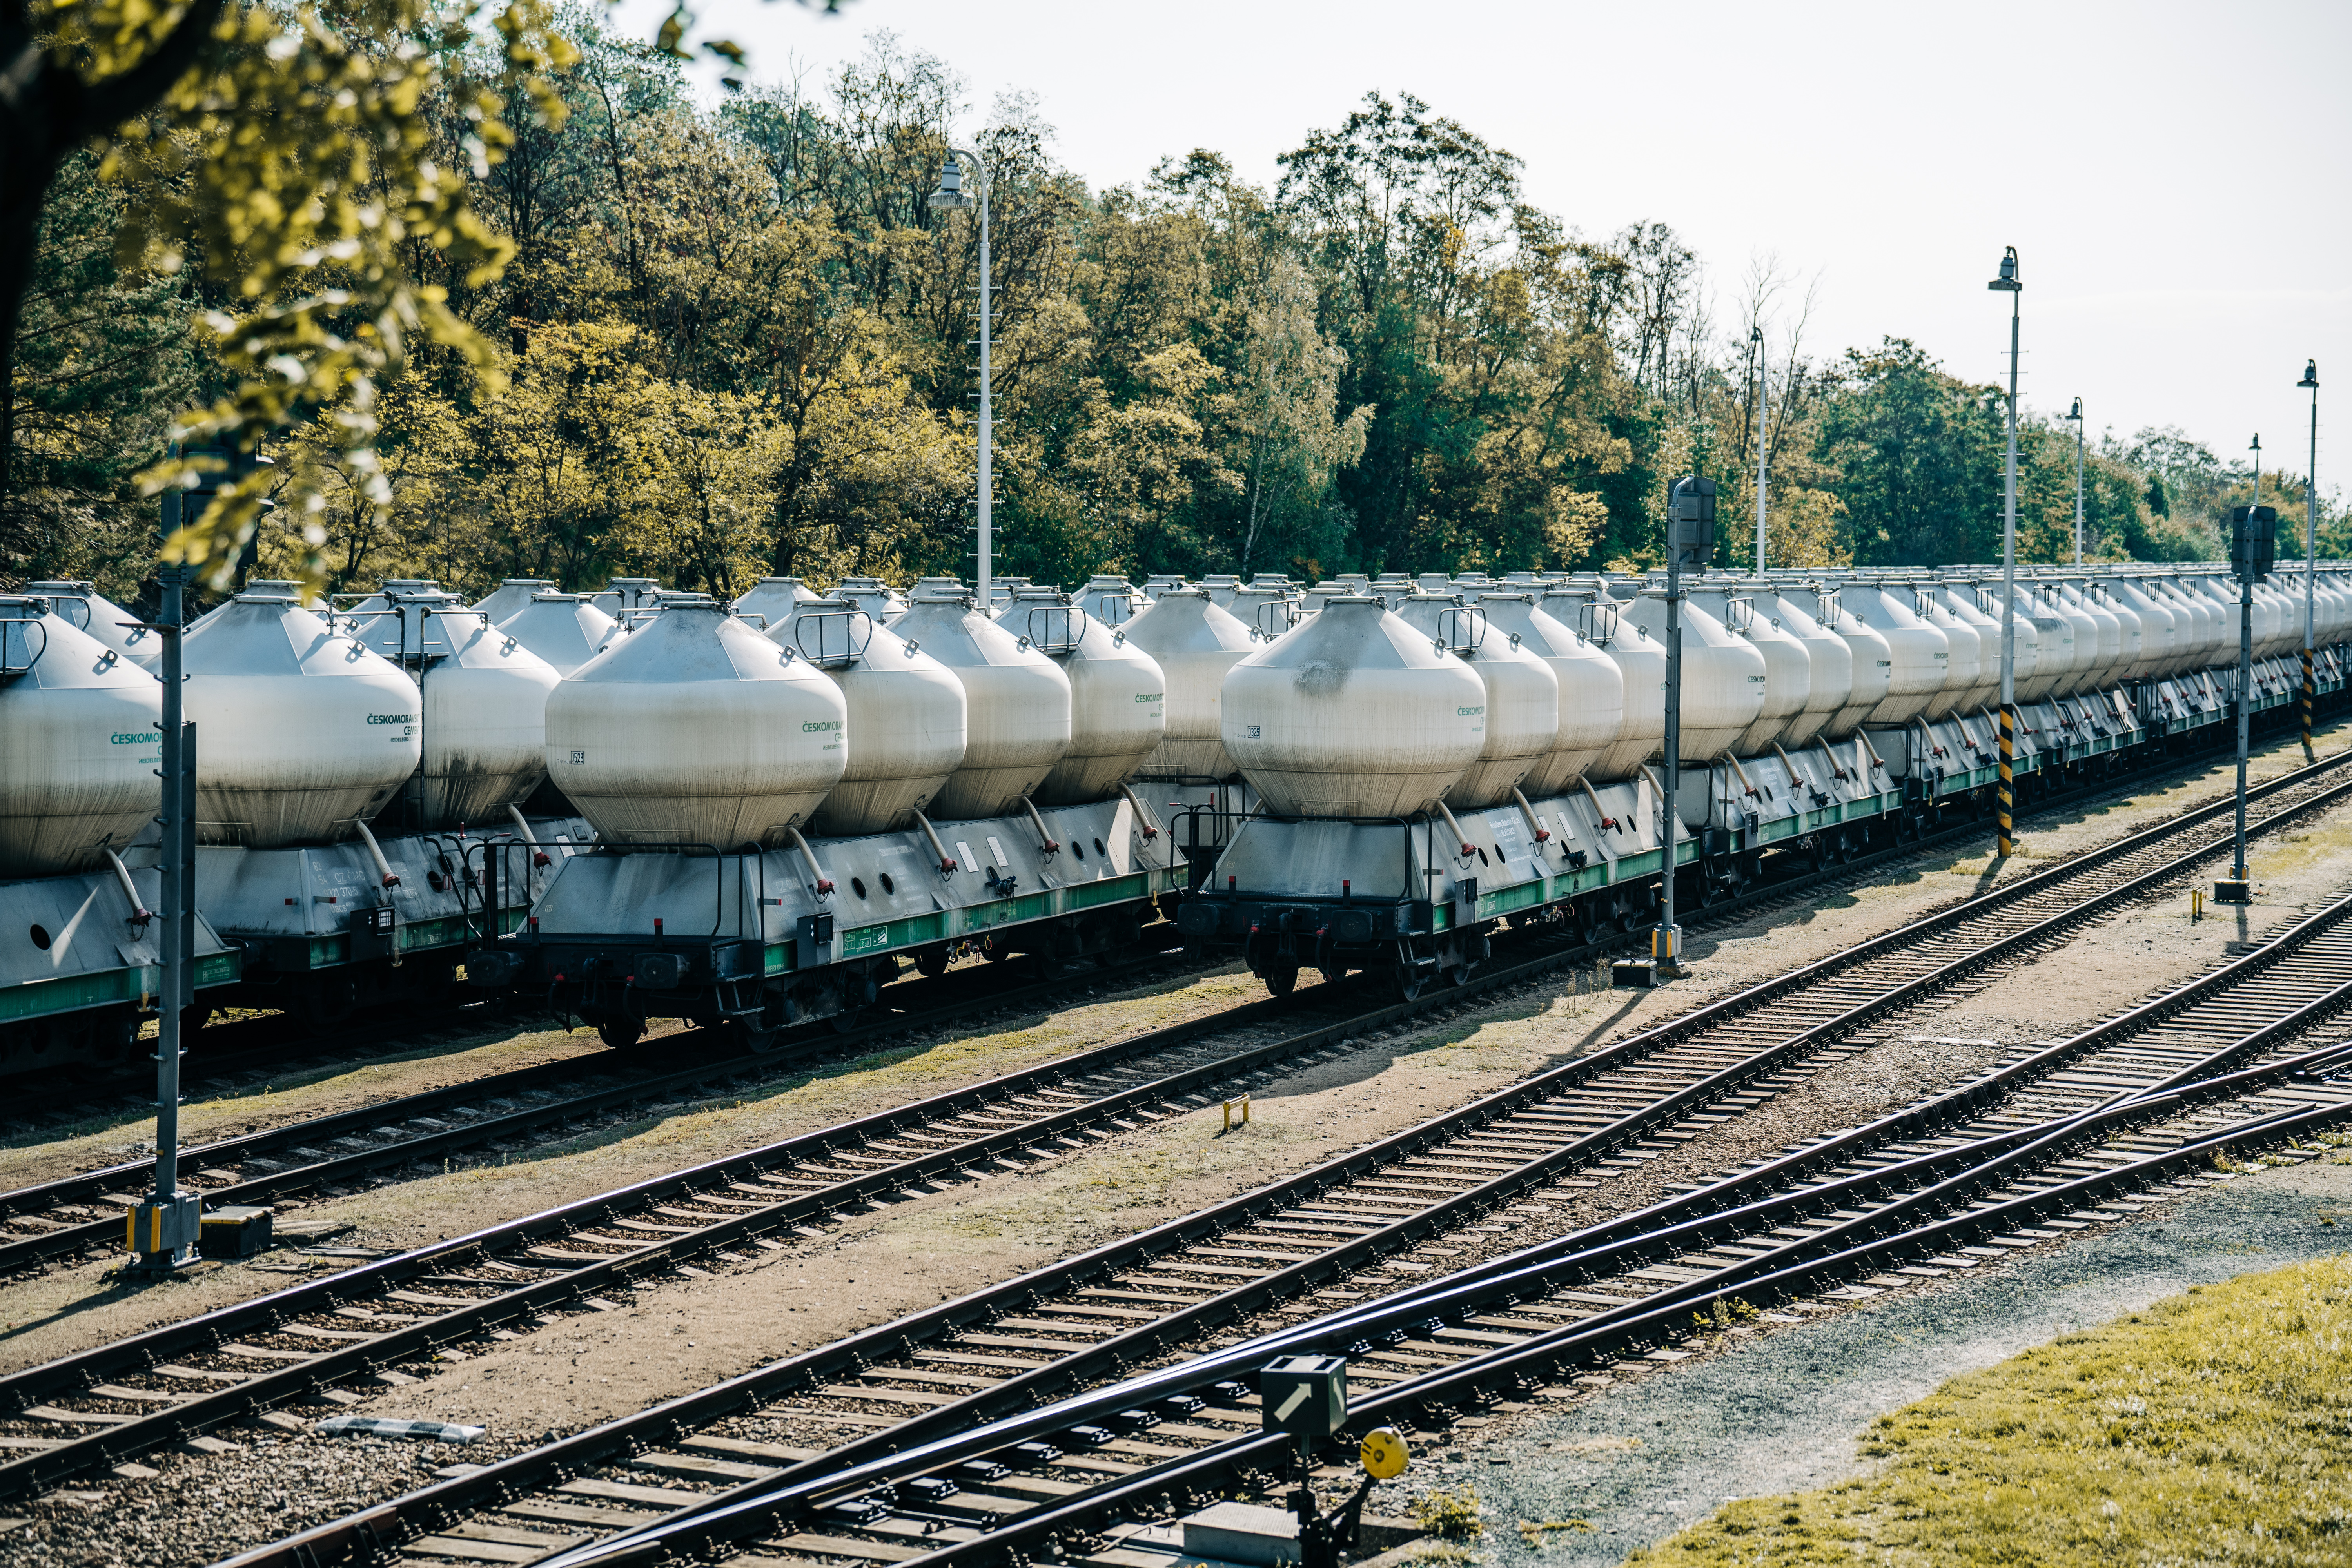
pixel 285 156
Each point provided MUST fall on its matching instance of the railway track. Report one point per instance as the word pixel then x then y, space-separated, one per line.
pixel 988 1469
pixel 78 1215
pixel 1599 1108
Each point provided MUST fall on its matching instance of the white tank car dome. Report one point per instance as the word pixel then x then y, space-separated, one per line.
pixel 1641 661
pixel 1958 601
pixel 1016 704
pixel 1353 714
pixel 906 710
pixel 511 596
pixel 301 730
pixel 1119 697
pixel 771 601
pixel 83 607
pixel 1723 677
pixel 876 597
pixel 1194 643
pixel 1831 655
pixel 566 630
pixel 1522 695
pixel 1113 601
pixel 1788 667
pixel 485 705
pixel 1919 656
pixel 696 729
pixel 1591 689
pixel 1873 661
pixel 83 742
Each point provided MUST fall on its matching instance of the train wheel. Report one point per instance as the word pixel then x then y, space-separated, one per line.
pixel 932 962
pixel 1406 979
pixel 1281 981
pixel 1456 973
pixel 1334 973
pixel 846 1020
pixel 619 1032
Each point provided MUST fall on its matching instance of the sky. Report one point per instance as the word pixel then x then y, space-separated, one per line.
pixel 2172 175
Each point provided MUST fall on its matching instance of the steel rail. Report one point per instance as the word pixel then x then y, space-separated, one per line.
pixel 1149 1494
pixel 1617 1244
pixel 19 1252
pixel 585 1450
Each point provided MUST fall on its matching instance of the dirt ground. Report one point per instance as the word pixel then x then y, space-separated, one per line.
pixel 919 1251
pixel 678 1334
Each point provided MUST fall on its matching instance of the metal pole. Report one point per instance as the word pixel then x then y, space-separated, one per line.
pixel 987 454
pixel 1763 396
pixel 2006 844
pixel 163 1230
pixel 2078 482
pixel 2245 674
pixel 2310 558
pixel 1667 949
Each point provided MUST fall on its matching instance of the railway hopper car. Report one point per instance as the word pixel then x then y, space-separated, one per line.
pixel 787 815
pixel 1356 846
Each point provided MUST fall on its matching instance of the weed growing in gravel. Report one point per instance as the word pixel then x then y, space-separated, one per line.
pixel 2216 1426
pixel 1451 1513
pixel 1540 1535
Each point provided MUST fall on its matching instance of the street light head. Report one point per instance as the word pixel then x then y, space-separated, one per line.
pixel 2076 413
pixel 950 194
pixel 2007 281
pixel 2310 373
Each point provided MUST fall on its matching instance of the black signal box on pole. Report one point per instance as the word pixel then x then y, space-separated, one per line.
pixel 1304 1396
pixel 2254 542
pixel 1690 521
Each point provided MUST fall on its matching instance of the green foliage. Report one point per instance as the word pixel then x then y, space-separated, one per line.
pixel 2215 1426
pixel 1451 1513
pixel 505 300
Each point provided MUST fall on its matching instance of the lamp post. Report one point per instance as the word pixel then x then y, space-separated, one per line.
pixel 2076 415
pixel 1763 393
pixel 2006 844
pixel 948 198
pixel 2310 551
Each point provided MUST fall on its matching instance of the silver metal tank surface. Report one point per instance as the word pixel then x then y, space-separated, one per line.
pixel 1874 663
pixel 2083 671
pixel 566 630
pixel 1961 601
pixel 2106 627
pixel 1724 678
pixel 1591 689
pixel 81 607
pixel 1919 656
pixel 696 729
pixel 301 730
pixel 1017 704
pixel 1641 661
pixel 1219 586
pixel 876 597
pixel 1964 670
pixel 771 601
pixel 1194 644
pixel 1119 696
pixel 1788 667
pixel 1263 610
pixel 1353 714
pixel 622 595
pixel 2159 626
pixel 485 722
pixel 1113 601
pixel 511 596
pixel 1832 657
pixel 1522 695
pixel 82 743
pixel 906 715
pixel 2132 663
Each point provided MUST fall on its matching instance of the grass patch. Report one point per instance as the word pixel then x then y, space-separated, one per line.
pixel 2214 1427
